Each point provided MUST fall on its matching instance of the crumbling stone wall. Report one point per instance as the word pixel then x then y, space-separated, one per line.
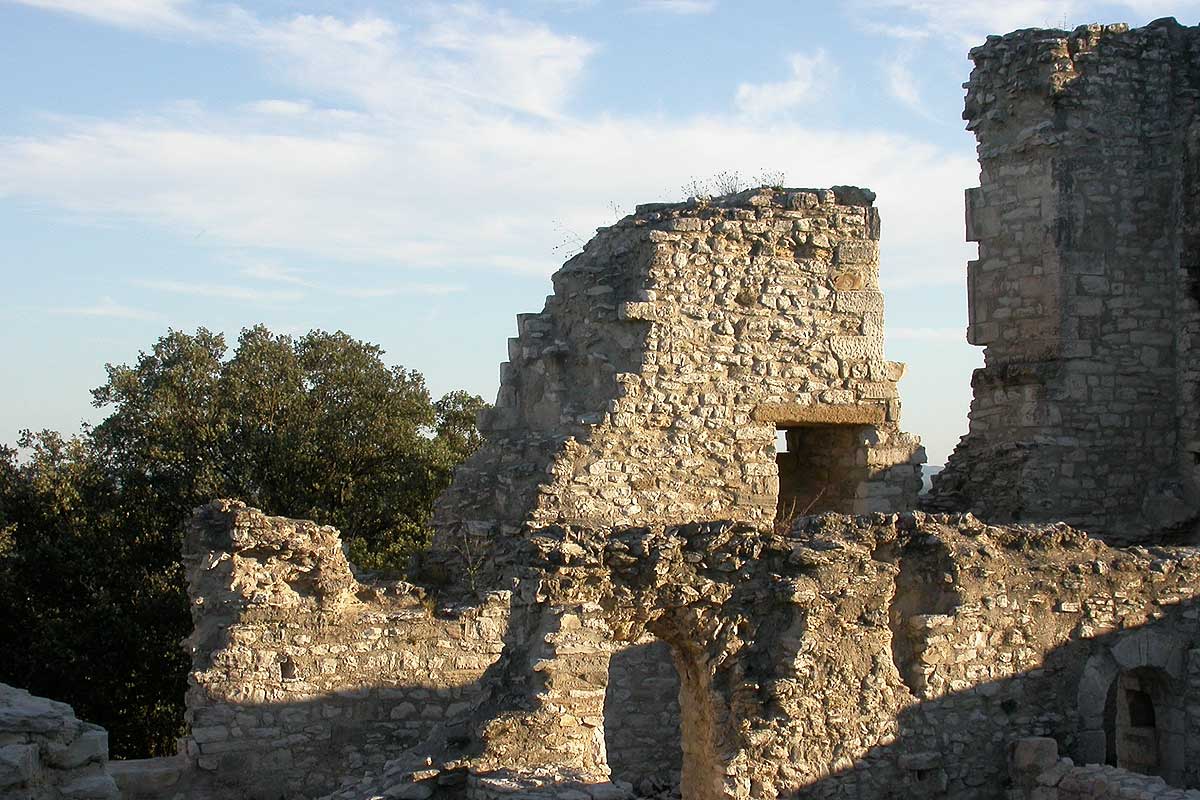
pixel 650 388
pixel 1085 293
pixel 302 676
pixel 1039 774
pixel 47 753
pixel 885 656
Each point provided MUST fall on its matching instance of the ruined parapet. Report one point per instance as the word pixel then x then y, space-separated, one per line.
pixel 1085 292
pixel 47 753
pixel 302 676
pixel 878 656
pixel 675 346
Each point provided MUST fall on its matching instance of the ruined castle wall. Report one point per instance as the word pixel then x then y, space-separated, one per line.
pixel 1038 774
pixel 1083 294
pixel 650 387
pixel 302 676
pixel 872 656
pixel 886 657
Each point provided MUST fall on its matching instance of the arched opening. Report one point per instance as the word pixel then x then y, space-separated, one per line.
pixel 1141 729
pixel 642 718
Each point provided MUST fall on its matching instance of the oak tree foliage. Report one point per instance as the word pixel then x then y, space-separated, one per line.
pixel 92 599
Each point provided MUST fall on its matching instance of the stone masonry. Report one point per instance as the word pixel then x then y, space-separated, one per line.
pixel 47 753
pixel 1085 291
pixel 634 593
pixel 879 656
pixel 675 346
pixel 302 676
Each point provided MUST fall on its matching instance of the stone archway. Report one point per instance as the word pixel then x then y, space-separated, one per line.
pixel 1131 709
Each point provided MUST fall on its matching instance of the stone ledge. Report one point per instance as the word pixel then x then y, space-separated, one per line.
pixel 820 414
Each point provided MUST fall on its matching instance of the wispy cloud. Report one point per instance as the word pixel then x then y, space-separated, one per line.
pixel 221 291
pixel 677 6
pixel 284 108
pixel 417 289
pixel 968 22
pixel 273 273
pixel 810 75
pixel 423 176
pixel 107 307
pixel 902 83
pixel 265 271
pixel 144 14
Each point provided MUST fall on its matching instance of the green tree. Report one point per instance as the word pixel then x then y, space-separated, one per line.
pixel 91 589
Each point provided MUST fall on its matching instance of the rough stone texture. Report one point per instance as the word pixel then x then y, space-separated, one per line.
pixel 873 657
pixel 641 717
pixel 303 676
pixel 152 778
pixel 650 388
pixel 1047 777
pixel 1085 290
pixel 876 656
pixel 46 753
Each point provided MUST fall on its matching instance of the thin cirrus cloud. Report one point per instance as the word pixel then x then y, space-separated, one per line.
pixel 138 14
pixel 269 272
pixel 967 22
pixel 220 291
pixel 902 83
pixel 108 308
pixel 678 6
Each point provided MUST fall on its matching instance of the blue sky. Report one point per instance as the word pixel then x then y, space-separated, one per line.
pixel 412 172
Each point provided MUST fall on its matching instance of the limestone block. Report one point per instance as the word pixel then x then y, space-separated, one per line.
pixel 18 765
pixel 857 252
pixel 857 348
pixel 98 786
pixel 91 746
pixel 1033 755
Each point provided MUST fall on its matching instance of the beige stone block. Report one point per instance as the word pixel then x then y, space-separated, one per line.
pixel 857 348
pixel 859 302
pixel 860 251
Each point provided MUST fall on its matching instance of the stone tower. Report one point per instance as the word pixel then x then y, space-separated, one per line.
pixel 652 387
pixel 1085 291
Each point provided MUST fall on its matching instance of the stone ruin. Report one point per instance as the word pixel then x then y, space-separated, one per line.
pixel 651 388
pixel 1086 292
pixel 633 592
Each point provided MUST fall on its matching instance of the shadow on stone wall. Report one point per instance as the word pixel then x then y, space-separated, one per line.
pixel 794 681
pixel 955 745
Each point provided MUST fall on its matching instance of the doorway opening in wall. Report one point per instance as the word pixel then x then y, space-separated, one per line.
pixel 1138 724
pixel 642 718
pixel 819 469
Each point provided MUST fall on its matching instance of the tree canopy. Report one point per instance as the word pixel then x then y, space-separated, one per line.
pixel 92 598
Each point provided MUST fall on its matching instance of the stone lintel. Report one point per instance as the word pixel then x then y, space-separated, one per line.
pixel 790 414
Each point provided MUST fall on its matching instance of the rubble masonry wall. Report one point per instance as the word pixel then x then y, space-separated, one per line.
pixel 650 388
pixel 873 656
pixel 302 676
